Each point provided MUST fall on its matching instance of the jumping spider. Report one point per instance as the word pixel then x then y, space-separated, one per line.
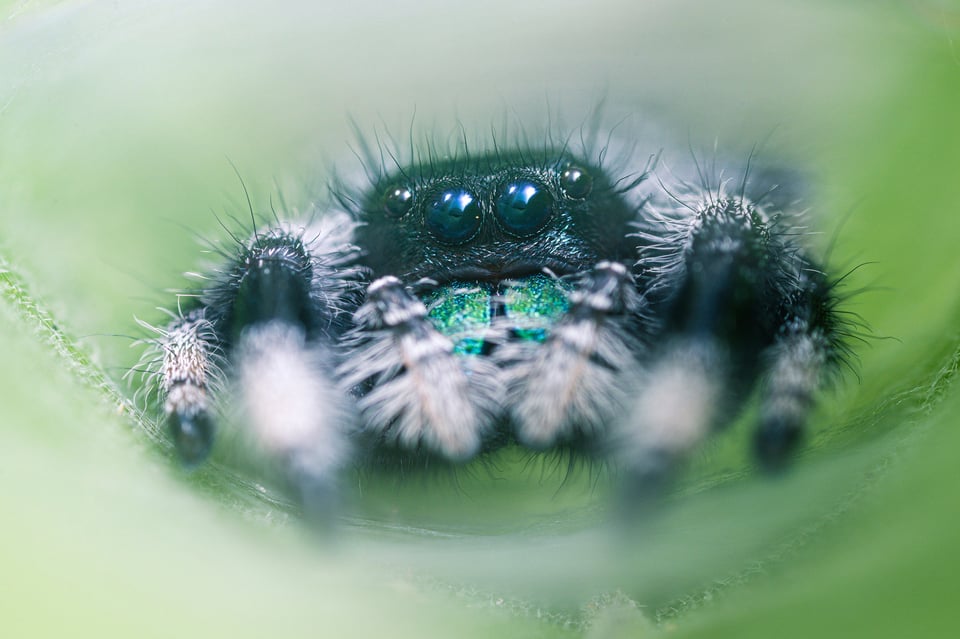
pixel 460 302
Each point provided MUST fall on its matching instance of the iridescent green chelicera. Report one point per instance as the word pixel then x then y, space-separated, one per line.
pixel 465 311
pixel 534 304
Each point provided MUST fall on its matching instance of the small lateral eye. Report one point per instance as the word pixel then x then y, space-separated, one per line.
pixel 454 216
pixel 576 182
pixel 397 200
pixel 524 208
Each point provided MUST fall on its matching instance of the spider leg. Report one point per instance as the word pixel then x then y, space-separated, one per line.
pixel 729 282
pixel 283 306
pixel 188 368
pixel 418 395
pixel 570 388
pixel 679 397
pixel 807 348
pixel 265 328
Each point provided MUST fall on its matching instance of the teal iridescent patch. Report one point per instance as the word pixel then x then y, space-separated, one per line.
pixel 465 311
pixel 462 311
pixel 532 305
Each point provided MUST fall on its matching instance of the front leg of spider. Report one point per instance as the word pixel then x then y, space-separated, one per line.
pixel 568 389
pixel 262 336
pixel 739 302
pixel 421 395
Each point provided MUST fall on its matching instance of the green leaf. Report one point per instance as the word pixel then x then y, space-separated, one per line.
pixel 116 122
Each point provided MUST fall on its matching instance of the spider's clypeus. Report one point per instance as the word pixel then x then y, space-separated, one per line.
pixel 459 302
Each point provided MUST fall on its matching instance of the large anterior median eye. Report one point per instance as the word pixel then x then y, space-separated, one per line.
pixel 524 207
pixel 454 217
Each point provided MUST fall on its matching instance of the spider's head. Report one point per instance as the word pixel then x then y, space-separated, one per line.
pixel 491 218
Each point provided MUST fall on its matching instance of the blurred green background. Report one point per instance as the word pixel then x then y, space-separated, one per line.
pixel 118 123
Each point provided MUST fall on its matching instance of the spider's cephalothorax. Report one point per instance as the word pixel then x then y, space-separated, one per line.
pixel 451 307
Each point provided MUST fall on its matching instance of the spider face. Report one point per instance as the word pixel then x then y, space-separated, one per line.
pixel 451 307
pixel 492 218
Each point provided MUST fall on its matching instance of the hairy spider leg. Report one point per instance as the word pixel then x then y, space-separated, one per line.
pixel 738 303
pixel 188 369
pixel 271 319
pixel 568 389
pixel 807 349
pixel 421 395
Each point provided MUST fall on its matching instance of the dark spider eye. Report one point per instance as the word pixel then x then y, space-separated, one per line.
pixel 397 201
pixel 524 207
pixel 576 182
pixel 454 217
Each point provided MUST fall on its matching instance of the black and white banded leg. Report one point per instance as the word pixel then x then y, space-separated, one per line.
pixel 277 312
pixel 739 303
pixel 569 389
pixel 189 372
pixel 416 393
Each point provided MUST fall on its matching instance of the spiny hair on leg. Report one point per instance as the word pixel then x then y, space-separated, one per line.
pixel 321 249
pixel 701 189
pixel 183 368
